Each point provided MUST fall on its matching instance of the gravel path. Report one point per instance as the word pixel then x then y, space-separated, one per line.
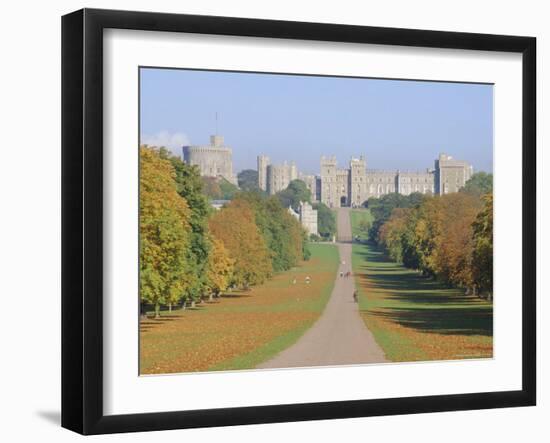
pixel 340 336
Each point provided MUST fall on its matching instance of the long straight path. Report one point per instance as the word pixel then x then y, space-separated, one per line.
pixel 340 336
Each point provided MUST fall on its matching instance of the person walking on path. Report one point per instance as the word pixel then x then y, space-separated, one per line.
pixel 355 295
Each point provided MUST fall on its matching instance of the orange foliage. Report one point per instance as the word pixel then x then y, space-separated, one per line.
pixel 235 226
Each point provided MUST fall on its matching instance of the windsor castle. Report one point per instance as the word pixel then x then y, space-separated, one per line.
pixel 353 186
pixel 334 186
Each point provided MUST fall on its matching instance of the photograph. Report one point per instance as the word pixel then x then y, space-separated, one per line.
pixel 295 221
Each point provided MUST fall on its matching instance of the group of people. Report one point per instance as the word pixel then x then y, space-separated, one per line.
pixel 346 275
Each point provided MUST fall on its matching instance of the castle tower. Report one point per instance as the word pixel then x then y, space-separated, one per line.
pixel 293 171
pixel 263 163
pixel 216 140
pixel 214 160
pixel 329 186
pixel 357 181
pixel 451 174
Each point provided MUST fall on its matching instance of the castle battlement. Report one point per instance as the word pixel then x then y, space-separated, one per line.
pixel 354 186
pixel 214 160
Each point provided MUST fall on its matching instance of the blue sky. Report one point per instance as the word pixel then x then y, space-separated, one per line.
pixel 394 124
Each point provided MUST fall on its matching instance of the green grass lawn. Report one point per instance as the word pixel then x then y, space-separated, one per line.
pixel 243 328
pixel 417 318
pixel 356 215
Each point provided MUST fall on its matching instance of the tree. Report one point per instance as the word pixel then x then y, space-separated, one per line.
pixel 220 268
pixel 189 185
pixel 479 184
pixel 248 180
pixel 453 256
pixel 164 232
pixel 392 233
pixel 482 254
pixel 235 226
pixel 211 188
pixel 382 208
pixel 283 234
pixel 434 237
pixel 365 226
pixel 218 188
pixel 229 190
pixel 296 192
pixel 326 220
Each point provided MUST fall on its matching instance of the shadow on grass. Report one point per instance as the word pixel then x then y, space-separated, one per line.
pixel 237 295
pixel 461 321
pixel 420 302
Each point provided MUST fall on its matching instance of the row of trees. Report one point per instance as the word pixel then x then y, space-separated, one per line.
pixel 449 237
pixel 188 250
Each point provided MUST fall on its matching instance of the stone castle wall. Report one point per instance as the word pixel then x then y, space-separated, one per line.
pixel 355 185
pixel 335 186
pixel 274 178
pixel 214 160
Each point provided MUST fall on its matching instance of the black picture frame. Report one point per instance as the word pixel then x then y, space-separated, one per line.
pixel 82 219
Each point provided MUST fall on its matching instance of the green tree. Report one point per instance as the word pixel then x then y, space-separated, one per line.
pixel 164 232
pixel 283 234
pixel 364 226
pixel 479 184
pixel 392 233
pixel 482 254
pixel 326 220
pixel 296 192
pixel 248 180
pixel 229 190
pixel 382 208
pixel 189 185
pixel 218 188
pixel 211 188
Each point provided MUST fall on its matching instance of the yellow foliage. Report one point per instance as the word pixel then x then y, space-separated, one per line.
pixel 164 231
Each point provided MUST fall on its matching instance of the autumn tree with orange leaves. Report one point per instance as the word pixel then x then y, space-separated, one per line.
pixel 448 237
pixel 235 226
pixel 219 271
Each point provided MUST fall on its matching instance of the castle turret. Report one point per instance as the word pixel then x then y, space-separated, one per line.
pixel 357 181
pixel 329 191
pixel 451 174
pixel 263 163
pixel 214 160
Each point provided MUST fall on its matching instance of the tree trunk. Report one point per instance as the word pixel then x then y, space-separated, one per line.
pixel 193 304
pixel 183 305
pixel 157 310
pixel 211 297
pixel 169 307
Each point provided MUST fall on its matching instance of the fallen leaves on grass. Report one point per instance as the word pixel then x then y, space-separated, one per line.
pixel 196 340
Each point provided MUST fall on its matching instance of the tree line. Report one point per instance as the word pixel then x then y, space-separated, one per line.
pixel 448 237
pixel 296 192
pixel 189 250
